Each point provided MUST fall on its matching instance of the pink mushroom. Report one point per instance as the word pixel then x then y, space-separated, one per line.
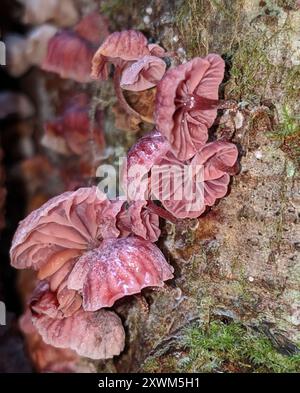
pixel 206 178
pixel 140 159
pixel 127 45
pixel 129 51
pixel 97 335
pixel 70 132
pixel 117 268
pixel 70 52
pixel 186 104
pixel 184 188
pixel 63 228
pixel 74 242
pixel 143 74
pixel 137 218
pixel 93 27
pixel 69 56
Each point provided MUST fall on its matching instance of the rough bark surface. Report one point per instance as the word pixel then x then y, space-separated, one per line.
pixel 240 261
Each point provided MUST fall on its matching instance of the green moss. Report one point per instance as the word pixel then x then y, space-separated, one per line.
pixel 199 20
pixel 256 72
pixel 151 365
pixel 230 347
pixel 220 347
pixel 122 14
pixel 287 132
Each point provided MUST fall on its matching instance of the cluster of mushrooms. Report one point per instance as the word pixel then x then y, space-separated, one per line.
pixel 90 251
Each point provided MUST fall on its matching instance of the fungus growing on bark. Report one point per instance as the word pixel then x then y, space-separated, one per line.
pixel 70 132
pixel 70 52
pixel 140 159
pixel 143 74
pixel 119 47
pixel 62 12
pixel 74 242
pixel 125 50
pixel 137 218
pixel 97 335
pixel 186 103
pixel 118 268
pixel 184 188
pixel 73 221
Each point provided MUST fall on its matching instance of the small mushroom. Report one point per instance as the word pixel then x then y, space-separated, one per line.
pixel 73 220
pixel 69 56
pixel 184 188
pixel 186 104
pixel 143 74
pixel 127 45
pixel 196 183
pixel 96 335
pixel 70 52
pixel 138 219
pixel 118 268
pixel 140 159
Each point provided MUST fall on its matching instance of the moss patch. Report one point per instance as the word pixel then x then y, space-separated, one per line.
pixel 225 347
pixel 287 132
pixel 199 21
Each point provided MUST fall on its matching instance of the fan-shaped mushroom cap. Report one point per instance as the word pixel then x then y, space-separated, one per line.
pixel 97 335
pixel 118 268
pixel 138 219
pixel 205 177
pixel 218 157
pixel 144 223
pixel 93 27
pixel 140 159
pixel 70 56
pixel 186 103
pixel 73 220
pixel 143 74
pixel 126 45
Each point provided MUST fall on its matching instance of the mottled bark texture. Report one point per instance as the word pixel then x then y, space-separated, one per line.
pixel 239 262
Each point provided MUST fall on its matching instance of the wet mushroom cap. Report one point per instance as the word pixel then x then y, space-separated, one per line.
pixel 69 56
pixel 138 219
pixel 186 103
pixel 127 45
pixel 140 159
pixel 118 268
pixel 73 220
pixel 186 188
pixel 143 74
pixel 96 335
